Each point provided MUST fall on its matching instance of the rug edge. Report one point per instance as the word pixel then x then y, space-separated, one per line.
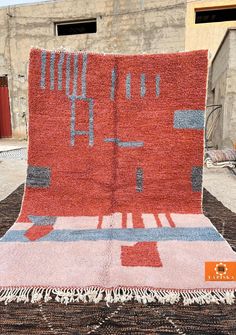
pixel 117 294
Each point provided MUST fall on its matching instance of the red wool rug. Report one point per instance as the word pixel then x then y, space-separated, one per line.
pixel 112 205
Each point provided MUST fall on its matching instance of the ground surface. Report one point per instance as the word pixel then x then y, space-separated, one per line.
pixel 12 165
pixel 222 184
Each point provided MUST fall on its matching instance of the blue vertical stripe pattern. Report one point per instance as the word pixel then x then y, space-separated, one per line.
pixel 113 83
pixel 68 74
pixel 128 86
pixel 75 82
pixel 158 85
pixel 72 123
pixel 91 123
pixel 60 65
pixel 142 85
pixel 43 69
pixel 83 76
pixel 52 66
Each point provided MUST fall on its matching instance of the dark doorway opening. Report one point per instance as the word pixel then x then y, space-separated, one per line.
pixel 5 115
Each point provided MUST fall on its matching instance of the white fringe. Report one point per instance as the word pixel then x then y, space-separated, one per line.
pixel 120 294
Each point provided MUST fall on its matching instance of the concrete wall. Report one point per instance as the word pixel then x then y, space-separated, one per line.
pixel 123 26
pixel 207 35
pixel 230 105
pixel 223 82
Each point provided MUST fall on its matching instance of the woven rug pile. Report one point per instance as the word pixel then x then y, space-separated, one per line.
pixel 112 207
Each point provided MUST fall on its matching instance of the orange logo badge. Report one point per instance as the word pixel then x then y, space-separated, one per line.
pixel 220 271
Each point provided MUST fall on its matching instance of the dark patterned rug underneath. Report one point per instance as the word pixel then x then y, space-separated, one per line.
pixel 128 319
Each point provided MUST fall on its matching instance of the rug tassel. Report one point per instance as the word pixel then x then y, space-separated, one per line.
pixel 119 294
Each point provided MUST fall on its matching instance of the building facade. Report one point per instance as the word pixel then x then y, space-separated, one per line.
pixel 223 88
pixel 107 26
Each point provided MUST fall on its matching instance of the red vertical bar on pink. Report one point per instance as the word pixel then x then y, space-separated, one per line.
pixel 169 218
pixel 124 220
pixel 158 221
pixel 100 217
pixel 138 221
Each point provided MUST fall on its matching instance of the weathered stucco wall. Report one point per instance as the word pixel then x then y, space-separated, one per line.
pixel 208 35
pixel 123 26
pixel 224 84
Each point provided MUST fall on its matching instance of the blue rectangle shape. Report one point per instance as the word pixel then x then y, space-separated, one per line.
pixel 139 180
pixel 189 119
pixel 196 178
pixel 42 220
pixel 38 176
pixel 124 144
pixel 130 144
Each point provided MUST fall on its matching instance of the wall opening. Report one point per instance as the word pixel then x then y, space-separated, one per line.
pixel 5 115
pixel 76 27
pixel 215 14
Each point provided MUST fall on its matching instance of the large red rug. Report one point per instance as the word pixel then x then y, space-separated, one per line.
pixel 112 205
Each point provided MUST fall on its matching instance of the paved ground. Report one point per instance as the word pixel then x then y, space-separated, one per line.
pixel 219 182
pixel 12 165
pixel 222 184
pixel 10 144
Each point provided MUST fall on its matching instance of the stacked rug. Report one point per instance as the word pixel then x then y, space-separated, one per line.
pixel 111 210
pixel 220 158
